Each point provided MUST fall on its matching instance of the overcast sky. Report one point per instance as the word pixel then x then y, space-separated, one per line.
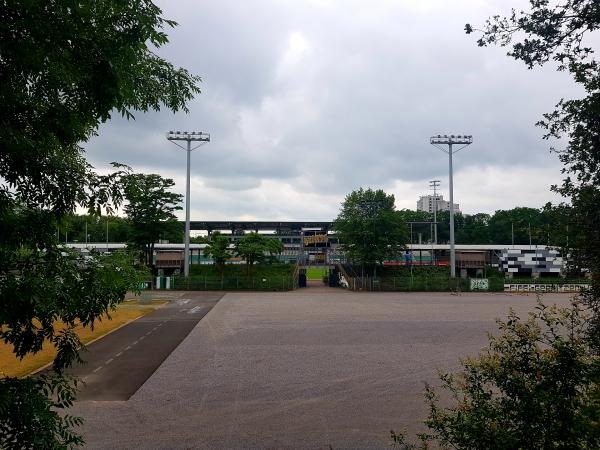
pixel 307 100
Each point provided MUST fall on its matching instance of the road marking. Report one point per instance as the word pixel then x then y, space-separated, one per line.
pixel 143 337
pixel 128 348
pixel 149 332
pixel 97 369
pixel 182 310
pixel 195 309
pixel 134 342
pixel 118 354
pixel 108 361
pixel 183 301
pixel 160 324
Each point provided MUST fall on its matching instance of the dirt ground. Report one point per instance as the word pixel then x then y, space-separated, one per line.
pixel 301 370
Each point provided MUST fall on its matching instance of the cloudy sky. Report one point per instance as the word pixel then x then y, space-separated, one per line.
pixel 307 100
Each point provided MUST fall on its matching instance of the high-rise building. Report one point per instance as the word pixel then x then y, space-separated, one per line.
pixel 428 203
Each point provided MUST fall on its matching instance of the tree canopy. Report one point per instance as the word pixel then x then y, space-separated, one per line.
pixel 217 248
pixel 150 208
pixel 560 32
pixel 369 227
pixel 256 247
pixel 65 67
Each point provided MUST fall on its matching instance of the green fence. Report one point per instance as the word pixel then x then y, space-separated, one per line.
pixel 242 283
pixel 426 284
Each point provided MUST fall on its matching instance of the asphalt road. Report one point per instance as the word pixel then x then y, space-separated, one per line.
pixel 301 370
pixel 118 364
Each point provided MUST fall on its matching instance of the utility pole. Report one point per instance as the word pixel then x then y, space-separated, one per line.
pixel 512 234
pixel 434 184
pixel 188 137
pixel 464 141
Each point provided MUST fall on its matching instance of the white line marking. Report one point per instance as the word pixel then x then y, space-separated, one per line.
pixel 118 354
pixel 97 369
pixel 182 310
pixel 108 361
pixel 128 348
pixel 148 333
pixel 134 342
pixel 195 309
pixel 143 337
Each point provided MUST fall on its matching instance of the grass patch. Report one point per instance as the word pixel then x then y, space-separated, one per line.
pixel 316 273
pixel 138 302
pixel 14 367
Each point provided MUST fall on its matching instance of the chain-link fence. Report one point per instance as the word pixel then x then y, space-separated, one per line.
pixel 211 283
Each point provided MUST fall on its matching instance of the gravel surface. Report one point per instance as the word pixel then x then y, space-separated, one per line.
pixel 301 370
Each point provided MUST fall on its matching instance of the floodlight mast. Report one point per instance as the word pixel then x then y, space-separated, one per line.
pixel 451 140
pixel 188 137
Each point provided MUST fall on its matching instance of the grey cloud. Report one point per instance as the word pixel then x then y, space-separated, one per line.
pixel 351 102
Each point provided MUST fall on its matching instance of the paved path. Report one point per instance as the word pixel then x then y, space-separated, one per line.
pixel 118 364
pixel 300 370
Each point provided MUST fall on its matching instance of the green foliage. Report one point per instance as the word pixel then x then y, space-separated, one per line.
pixel 72 228
pixel 150 210
pixel 559 32
pixel 256 248
pixel 534 386
pixel 64 68
pixel 218 249
pixel 29 416
pixel 369 227
pixel 235 277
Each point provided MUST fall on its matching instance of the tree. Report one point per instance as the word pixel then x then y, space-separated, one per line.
pixel 64 68
pixel 73 228
pixel 559 33
pixel 255 247
pixel 218 249
pixel 369 228
pixel 150 210
pixel 517 223
pixel 474 230
pixel 533 387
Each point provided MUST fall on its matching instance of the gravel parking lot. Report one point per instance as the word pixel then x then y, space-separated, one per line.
pixel 301 370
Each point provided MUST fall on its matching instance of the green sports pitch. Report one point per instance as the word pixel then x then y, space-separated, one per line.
pixel 316 273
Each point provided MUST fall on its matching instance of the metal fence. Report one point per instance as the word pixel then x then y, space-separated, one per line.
pixel 238 283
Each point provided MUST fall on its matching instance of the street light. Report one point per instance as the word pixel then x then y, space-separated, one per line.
pixel 464 141
pixel 188 137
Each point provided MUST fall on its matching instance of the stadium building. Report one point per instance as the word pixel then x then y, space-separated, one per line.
pixel 314 243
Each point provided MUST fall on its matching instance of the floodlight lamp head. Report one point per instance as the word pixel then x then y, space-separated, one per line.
pixel 452 139
pixel 188 136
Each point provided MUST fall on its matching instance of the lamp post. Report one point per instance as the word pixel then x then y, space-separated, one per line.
pixel 438 141
pixel 188 137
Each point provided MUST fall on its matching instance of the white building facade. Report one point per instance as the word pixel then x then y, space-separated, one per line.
pixel 427 203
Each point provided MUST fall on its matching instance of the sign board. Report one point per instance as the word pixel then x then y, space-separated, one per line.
pixel 480 284
pixel 316 239
pixel 521 287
